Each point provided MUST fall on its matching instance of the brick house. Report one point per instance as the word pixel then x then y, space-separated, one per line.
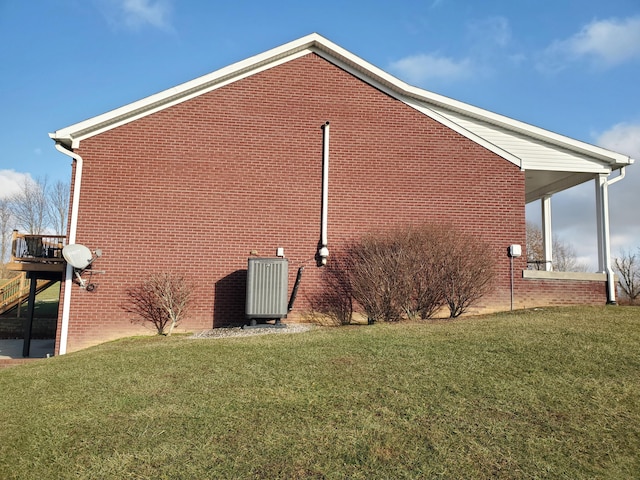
pixel 195 178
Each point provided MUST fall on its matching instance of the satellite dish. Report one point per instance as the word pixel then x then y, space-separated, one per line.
pixel 78 256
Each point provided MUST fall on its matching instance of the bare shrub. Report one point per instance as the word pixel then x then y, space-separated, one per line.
pixel 411 272
pixel 422 272
pixel 628 269
pixel 161 300
pixel 467 273
pixel 336 302
pixel 377 281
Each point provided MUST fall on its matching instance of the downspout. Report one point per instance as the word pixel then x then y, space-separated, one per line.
pixel 623 172
pixel 323 251
pixel 73 227
pixel 611 280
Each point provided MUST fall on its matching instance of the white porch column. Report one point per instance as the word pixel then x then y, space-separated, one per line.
pixel 547 233
pixel 604 240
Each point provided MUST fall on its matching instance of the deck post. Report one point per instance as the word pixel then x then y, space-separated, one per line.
pixel 28 321
pixel 23 277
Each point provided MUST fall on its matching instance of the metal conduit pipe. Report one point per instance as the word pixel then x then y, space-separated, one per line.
pixel 73 227
pixel 323 251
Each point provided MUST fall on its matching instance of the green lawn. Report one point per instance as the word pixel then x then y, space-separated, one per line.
pixel 551 393
pixel 46 304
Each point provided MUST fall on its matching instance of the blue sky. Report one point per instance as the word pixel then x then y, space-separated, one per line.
pixel 570 66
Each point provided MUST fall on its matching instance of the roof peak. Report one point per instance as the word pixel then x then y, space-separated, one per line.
pixel 422 100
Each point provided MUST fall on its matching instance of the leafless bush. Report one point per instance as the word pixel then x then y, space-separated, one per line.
pixel 336 302
pixel 628 269
pixel 467 273
pixel 411 272
pixel 162 300
pixel 423 293
pixel 376 276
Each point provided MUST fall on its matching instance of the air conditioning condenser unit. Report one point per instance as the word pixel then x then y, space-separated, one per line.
pixel 267 289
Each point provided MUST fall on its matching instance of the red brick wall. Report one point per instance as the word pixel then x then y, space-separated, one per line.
pixel 196 187
pixel 539 293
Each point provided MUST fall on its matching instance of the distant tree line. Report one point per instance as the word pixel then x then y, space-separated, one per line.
pixel 564 258
pixel 627 267
pixel 39 207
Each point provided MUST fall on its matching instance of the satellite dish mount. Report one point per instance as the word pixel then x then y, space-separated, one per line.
pixel 80 258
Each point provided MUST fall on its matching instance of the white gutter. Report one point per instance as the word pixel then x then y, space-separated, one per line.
pixel 73 227
pixel 623 172
pixel 611 278
pixel 323 251
pixel 604 240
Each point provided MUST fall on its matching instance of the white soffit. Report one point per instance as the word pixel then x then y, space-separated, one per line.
pixel 535 153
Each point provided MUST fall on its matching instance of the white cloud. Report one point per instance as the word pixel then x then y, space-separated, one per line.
pixel 11 182
pixel 135 14
pixel 604 44
pixel 493 30
pixel 622 138
pixel 417 69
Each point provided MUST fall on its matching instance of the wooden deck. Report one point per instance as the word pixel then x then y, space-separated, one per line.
pixel 36 253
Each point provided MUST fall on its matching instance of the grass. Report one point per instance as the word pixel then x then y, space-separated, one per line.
pixel 552 393
pixel 46 305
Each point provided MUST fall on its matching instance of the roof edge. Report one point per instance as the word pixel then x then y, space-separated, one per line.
pixel 509 123
pixel 314 42
pixel 158 101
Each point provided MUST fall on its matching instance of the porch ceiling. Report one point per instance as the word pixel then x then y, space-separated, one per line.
pixel 539 183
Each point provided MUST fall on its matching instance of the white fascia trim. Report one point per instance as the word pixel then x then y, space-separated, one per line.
pixel 150 105
pixel 426 96
pixel 185 91
pixel 466 133
pixel 591 168
pixel 371 74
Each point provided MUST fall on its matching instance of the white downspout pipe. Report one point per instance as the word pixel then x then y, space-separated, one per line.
pixel 623 172
pixel 604 240
pixel 73 227
pixel 323 251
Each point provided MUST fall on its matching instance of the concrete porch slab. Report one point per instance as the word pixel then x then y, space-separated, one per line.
pixel 12 349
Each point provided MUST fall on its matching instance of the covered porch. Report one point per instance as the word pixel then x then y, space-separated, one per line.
pixel 552 163
pixel 541 186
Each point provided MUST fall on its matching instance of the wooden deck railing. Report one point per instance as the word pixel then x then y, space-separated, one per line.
pixel 30 249
pixel 13 290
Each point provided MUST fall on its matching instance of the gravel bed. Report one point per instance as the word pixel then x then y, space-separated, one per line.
pixel 226 332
